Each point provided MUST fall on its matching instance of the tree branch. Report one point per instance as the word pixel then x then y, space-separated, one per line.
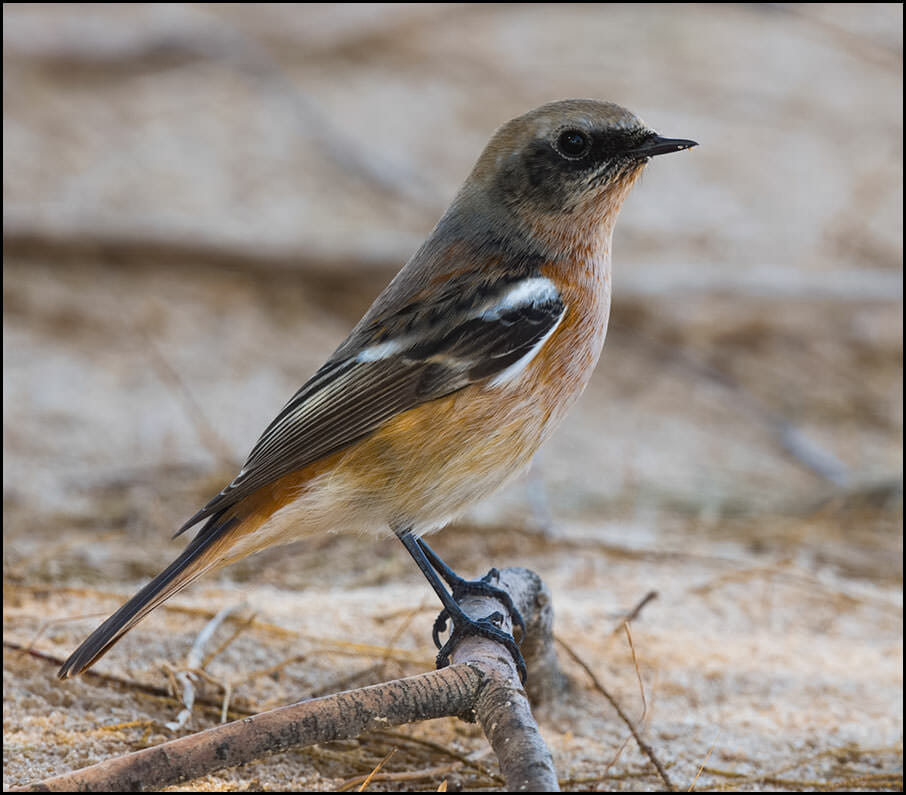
pixel 482 683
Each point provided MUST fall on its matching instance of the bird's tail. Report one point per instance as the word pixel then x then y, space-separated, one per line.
pixel 192 563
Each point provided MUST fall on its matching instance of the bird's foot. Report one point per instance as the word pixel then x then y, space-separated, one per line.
pixel 489 627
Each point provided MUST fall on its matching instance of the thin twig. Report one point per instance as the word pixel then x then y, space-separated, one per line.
pixel 226 644
pixel 636 611
pixel 645 747
pixel 408 775
pixel 442 749
pixel 701 767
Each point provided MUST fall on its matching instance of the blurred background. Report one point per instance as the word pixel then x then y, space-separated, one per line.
pixel 199 201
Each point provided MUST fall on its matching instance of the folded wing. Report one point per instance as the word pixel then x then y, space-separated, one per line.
pixel 398 361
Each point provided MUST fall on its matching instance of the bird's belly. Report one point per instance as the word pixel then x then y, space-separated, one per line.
pixel 427 465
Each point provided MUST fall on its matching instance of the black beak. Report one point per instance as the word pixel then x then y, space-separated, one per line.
pixel 656 145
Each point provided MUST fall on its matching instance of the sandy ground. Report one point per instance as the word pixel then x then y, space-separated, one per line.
pixel 200 201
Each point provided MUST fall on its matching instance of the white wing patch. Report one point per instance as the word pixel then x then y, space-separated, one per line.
pixel 528 292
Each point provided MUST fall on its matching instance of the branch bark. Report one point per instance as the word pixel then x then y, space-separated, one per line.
pixel 482 684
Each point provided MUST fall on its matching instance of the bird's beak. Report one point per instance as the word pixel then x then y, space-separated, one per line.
pixel 657 145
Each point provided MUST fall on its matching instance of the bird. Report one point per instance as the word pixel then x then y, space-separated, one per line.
pixel 460 369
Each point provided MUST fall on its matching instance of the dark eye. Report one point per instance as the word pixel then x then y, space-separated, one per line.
pixel 573 143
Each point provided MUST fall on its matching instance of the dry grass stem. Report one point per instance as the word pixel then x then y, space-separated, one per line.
pixel 373 773
pixel 644 746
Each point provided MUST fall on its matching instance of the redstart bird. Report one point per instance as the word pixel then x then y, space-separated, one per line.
pixel 461 368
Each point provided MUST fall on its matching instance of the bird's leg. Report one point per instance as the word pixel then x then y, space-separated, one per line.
pixel 460 587
pixel 462 624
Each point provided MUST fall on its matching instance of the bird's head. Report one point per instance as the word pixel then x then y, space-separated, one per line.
pixel 565 167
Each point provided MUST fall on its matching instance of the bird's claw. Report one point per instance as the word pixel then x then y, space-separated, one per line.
pixel 488 627
pixel 485 628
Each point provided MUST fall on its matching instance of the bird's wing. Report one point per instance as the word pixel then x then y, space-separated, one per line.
pixel 472 331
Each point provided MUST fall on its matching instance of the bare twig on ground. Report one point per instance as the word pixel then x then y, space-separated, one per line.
pixel 481 683
pixel 645 747
pixel 444 750
pixel 409 775
pixel 633 614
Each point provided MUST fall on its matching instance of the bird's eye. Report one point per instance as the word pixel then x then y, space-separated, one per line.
pixel 573 143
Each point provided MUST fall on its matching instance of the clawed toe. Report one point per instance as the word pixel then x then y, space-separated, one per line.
pixel 462 588
pixel 486 628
